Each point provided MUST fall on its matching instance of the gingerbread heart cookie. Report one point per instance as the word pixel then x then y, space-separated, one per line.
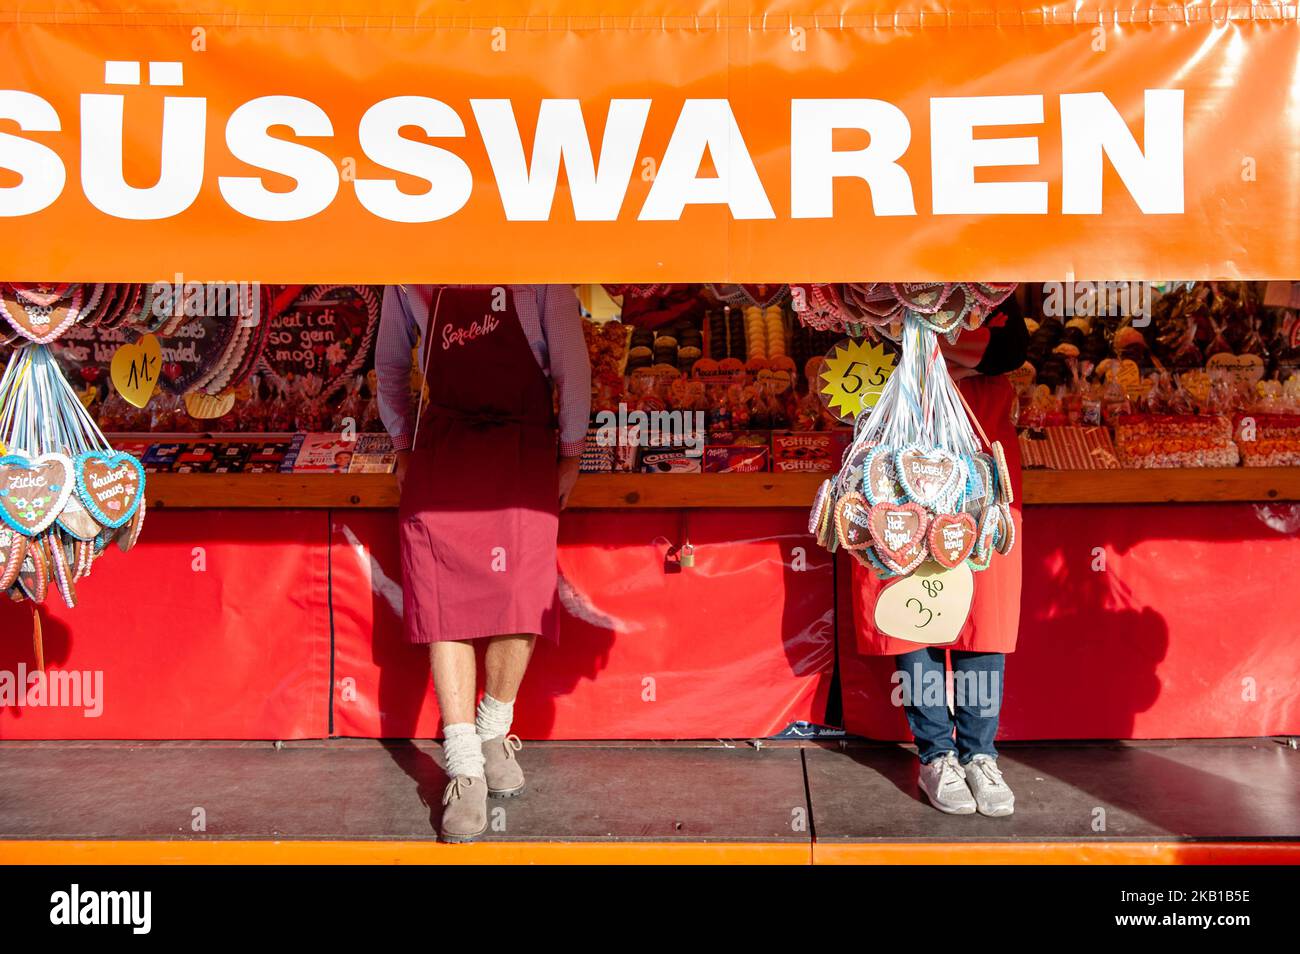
pixel 898 531
pixel 83 555
pixel 820 508
pixel 60 572
pixel 13 547
pixel 33 575
pixel 40 323
pixel 952 312
pixel 33 490
pixel 869 560
pixel 928 476
pixel 76 521
pixel 1005 538
pixel 979 484
pixel 922 297
pixel 880 478
pixel 852 521
pixel 110 485
pixel 991 294
pixel 852 467
pixel 1003 480
pixel 982 555
pixel 41 295
pixel 952 538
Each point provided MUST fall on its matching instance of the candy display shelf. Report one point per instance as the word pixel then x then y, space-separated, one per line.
pixel 646 491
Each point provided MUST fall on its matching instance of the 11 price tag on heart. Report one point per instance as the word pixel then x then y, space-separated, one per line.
pixel 930 606
pixel 135 370
pixel 854 377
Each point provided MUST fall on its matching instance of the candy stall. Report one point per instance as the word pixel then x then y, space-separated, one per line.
pixel 720 416
pixel 793 228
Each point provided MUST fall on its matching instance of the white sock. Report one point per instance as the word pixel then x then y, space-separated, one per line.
pixel 494 717
pixel 462 749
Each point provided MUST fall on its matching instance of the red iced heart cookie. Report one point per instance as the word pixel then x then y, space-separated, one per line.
pixel 951 538
pixel 898 531
pixel 852 521
pixel 928 476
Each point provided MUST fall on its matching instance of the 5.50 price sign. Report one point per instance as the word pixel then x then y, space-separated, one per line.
pixel 854 377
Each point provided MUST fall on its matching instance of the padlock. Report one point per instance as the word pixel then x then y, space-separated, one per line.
pixel 686 556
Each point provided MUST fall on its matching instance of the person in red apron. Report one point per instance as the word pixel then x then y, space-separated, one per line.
pixel 483 476
pixel 959 772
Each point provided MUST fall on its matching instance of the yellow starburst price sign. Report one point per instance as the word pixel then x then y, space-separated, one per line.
pixel 853 377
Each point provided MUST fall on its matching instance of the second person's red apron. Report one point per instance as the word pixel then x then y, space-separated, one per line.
pixel 480 511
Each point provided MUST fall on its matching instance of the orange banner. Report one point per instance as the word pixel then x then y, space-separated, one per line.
pixel 647 142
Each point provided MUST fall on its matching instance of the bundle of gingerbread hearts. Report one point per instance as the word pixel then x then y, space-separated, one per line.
pixel 916 484
pixel 65 494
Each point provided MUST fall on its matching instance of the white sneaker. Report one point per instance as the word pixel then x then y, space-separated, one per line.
pixel 992 794
pixel 944 782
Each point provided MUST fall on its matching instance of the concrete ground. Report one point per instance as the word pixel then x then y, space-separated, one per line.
pixel 791 801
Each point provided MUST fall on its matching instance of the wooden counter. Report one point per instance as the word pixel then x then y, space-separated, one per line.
pixel 615 491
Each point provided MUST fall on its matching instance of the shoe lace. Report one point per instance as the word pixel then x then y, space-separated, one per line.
pixel 455 786
pixel 951 773
pixel 512 742
pixel 990 770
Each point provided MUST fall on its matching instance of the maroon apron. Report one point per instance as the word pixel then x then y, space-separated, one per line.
pixel 480 509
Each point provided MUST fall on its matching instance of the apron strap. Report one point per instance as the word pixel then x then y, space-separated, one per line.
pixel 979 428
pixel 426 346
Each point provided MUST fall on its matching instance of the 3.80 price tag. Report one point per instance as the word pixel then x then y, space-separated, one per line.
pixel 931 606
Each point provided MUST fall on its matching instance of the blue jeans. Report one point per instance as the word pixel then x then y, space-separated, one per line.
pixel 919 686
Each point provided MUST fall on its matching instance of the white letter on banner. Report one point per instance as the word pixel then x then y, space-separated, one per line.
pixel 706 124
pixel 814 163
pixel 42 171
pixel 955 154
pixel 1090 126
pixel 527 193
pixel 249 140
pixel 180 173
pixel 450 180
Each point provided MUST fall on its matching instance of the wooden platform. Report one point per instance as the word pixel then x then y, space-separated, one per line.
pixel 646 491
pixel 781 803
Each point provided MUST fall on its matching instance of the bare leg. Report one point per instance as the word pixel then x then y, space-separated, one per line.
pixel 506 662
pixel 454 674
